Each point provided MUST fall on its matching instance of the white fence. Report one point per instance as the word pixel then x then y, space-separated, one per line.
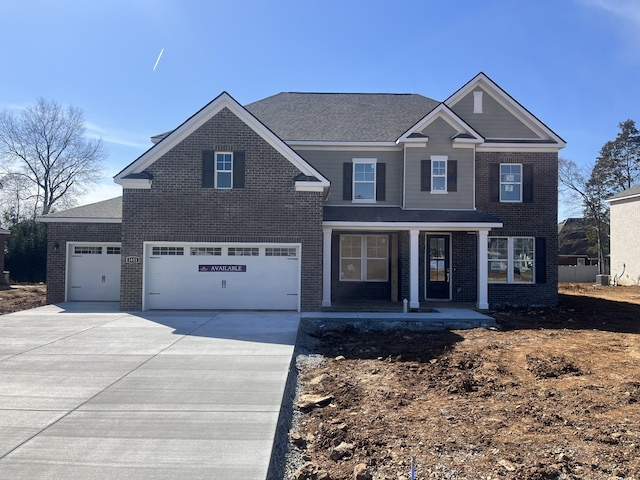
pixel 577 273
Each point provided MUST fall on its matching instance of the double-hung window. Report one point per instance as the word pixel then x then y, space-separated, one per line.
pixel 224 170
pixel 364 258
pixel 510 182
pixel 364 180
pixel 511 259
pixel 438 174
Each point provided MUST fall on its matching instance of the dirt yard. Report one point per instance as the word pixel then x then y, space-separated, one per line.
pixel 22 297
pixel 550 394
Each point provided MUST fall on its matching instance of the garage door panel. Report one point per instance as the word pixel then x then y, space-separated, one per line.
pixel 94 273
pixel 248 282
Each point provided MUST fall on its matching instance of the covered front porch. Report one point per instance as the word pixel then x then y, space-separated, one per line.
pixel 375 257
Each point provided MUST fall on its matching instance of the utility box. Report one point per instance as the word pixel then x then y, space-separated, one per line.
pixel 602 280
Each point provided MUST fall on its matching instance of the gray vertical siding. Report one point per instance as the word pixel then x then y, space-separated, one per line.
pixel 329 163
pixel 494 121
pixel 439 133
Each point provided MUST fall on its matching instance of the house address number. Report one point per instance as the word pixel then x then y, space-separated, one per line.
pixel 132 259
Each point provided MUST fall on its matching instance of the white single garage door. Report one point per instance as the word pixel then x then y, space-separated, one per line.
pixel 222 277
pixel 93 273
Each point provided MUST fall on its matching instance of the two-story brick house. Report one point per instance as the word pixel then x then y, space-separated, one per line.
pixel 305 200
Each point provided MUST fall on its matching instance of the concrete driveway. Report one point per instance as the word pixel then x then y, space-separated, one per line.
pixel 92 394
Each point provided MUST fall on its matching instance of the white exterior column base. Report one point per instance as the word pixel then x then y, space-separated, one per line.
pixel 414 269
pixel 483 270
pixel 326 267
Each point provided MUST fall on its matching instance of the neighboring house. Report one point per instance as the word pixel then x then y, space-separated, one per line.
pixel 305 200
pixel 574 248
pixel 4 280
pixel 625 245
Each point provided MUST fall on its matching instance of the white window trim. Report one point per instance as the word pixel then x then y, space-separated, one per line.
pixel 215 173
pixel 356 161
pixel 511 260
pixel 521 183
pixel 439 158
pixel 363 260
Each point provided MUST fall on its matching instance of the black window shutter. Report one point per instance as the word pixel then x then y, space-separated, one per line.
pixel 541 260
pixel 381 181
pixel 527 183
pixel 425 175
pixel 494 182
pixel 347 181
pixel 452 176
pixel 208 169
pixel 238 169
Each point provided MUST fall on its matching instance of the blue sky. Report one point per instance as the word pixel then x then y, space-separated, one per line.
pixel 575 64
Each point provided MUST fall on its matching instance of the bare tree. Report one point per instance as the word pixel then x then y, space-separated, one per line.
pixel 46 146
pixel 578 185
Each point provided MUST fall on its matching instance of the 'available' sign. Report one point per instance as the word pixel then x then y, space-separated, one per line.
pixel 222 268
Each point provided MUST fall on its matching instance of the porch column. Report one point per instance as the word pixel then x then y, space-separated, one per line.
pixel 326 267
pixel 414 235
pixel 483 270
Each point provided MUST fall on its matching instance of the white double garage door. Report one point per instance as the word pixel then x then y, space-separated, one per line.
pixel 222 276
pixel 207 276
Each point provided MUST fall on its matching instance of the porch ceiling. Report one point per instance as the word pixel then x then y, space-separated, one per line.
pixel 339 216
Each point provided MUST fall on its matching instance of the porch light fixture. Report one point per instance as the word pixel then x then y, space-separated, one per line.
pixel 56 247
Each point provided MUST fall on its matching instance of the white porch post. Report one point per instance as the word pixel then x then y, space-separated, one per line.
pixel 326 267
pixel 483 270
pixel 413 269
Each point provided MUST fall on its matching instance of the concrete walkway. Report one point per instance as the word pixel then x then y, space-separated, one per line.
pixel 92 394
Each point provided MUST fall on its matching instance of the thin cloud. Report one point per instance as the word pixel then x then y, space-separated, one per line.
pixel 628 10
pixel 117 138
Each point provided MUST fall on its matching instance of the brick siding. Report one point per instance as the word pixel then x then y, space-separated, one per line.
pixel 178 208
pixel 536 219
pixel 58 234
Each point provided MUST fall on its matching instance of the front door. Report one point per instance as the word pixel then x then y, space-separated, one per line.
pixel 438 266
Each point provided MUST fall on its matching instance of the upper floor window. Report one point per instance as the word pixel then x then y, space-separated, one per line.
pixel 438 174
pixel 224 169
pixel 510 182
pixel 364 180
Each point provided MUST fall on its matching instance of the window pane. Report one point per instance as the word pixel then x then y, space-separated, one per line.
pixel 523 271
pixel 350 269
pixel 510 192
pixel 363 191
pixel 436 271
pixel 376 269
pixel 498 248
pixel 439 183
pixel 364 172
pixel 224 180
pixel 439 167
pixel 376 246
pixel 523 248
pixel 350 245
pixel 497 271
pixel 510 173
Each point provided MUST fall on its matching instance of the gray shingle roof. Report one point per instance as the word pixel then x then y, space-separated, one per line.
pixel 397 214
pixel 107 209
pixel 341 117
pixel 635 190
